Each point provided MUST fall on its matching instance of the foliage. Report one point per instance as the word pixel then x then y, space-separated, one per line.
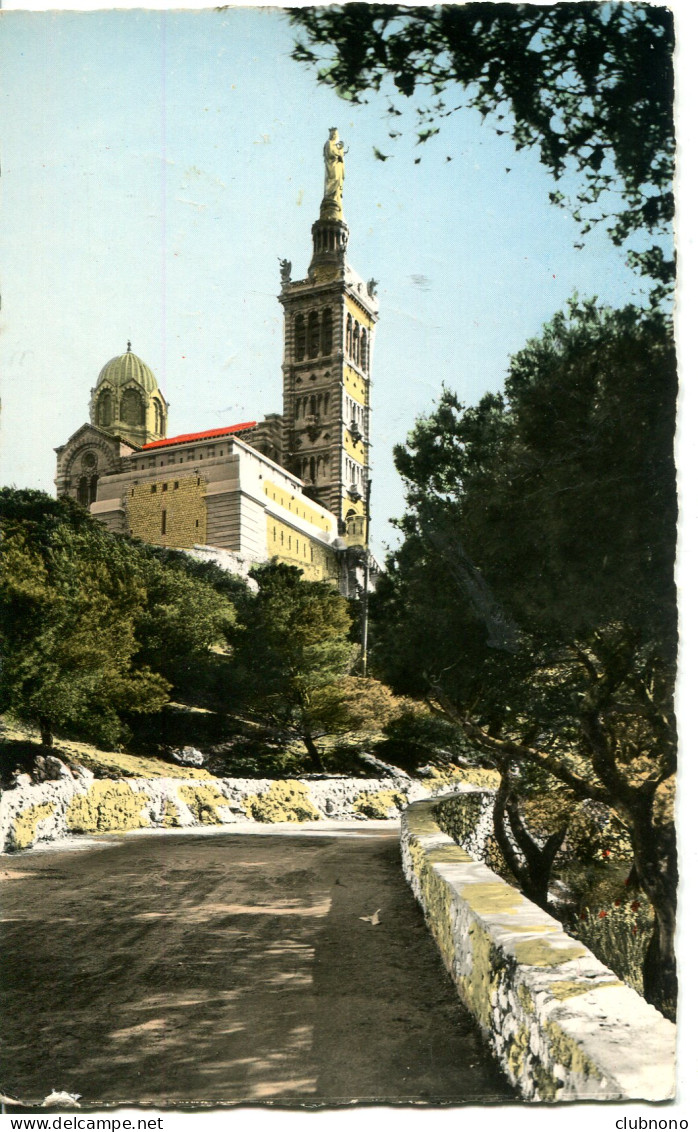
pixel 532 602
pixel 292 652
pixel 618 935
pixel 68 611
pixel 182 618
pixel 416 737
pixel 588 85
pixel 94 627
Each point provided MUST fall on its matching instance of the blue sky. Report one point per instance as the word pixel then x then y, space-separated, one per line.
pixel 156 164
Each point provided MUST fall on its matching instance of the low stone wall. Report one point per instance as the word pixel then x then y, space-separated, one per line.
pixel 51 810
pixel 561 1024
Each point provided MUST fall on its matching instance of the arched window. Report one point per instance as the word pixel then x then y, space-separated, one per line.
pixel 327 331
pixel 93 488
pixel 312 469
pixel 298 408
pixel 159 418
pixel 313 406
pixel 132 408
pixel 364 350
pixel 83 491
pixel 313 334
pixel 355 347
pixel 348 336
pixel 105 412
pixel 299 343
pixel 327 403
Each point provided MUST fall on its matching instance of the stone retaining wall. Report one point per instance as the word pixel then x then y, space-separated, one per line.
pixel 561 1024
pixel 51 810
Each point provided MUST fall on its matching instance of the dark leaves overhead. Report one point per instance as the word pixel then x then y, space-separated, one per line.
pixel 589 85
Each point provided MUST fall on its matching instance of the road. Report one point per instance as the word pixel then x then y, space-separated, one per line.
pixel 176 970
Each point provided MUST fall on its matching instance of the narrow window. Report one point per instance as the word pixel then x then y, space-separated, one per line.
pixel 175 485
pixel 153 488
pixel 327 331
pixel 299 346
pixel 313 334
pixel 348 336
pixel 164 487
pixel 163 523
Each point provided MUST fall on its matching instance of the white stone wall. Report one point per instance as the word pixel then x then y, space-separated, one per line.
pixel 50 810
pixel 561 1024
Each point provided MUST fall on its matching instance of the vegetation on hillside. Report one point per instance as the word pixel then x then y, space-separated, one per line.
pixel 532 601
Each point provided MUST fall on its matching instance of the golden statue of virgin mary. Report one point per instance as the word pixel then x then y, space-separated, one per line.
pixel 335 153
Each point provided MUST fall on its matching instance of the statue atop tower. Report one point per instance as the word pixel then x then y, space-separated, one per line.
pixel 334 153
pixel 330 319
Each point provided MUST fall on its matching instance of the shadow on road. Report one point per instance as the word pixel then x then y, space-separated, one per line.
pixel 221 970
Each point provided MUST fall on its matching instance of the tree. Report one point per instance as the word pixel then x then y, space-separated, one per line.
pixel 532 602
pixel 292 650
pixel 95 628
pixel 184 616
pixel 589 85
pixel 68 603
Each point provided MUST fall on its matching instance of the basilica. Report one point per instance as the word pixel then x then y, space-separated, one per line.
pixel 293 486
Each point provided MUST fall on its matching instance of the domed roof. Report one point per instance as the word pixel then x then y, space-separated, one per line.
pixel 128 367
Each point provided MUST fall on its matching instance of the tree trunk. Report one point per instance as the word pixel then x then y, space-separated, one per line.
pixel 315 758
pixel 656 867
pixel 533 873
pixel 45 731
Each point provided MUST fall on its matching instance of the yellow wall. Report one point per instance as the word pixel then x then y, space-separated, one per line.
pixel 357 507
pixel 354 448
pixel 359 313
pixel 318 563
pixel 355 385
pixel 296 504
pixel 185 505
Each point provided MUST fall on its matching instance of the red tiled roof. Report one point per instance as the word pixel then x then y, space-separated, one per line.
pixel 209 434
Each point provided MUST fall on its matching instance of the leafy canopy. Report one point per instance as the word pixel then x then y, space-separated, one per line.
pixel 532 601
pixel 292 649
pixel 95 627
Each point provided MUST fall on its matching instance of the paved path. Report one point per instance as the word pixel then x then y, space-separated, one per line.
pixel 225 969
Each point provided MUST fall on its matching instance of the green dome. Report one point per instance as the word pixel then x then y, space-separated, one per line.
pixel 128 367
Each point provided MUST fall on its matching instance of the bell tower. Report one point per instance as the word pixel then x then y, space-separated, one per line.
pixel 329 323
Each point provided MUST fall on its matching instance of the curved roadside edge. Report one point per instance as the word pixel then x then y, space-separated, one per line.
pixel 562 1026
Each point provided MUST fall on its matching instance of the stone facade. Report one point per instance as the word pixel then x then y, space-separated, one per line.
pixel 52 810
pixel 293 486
